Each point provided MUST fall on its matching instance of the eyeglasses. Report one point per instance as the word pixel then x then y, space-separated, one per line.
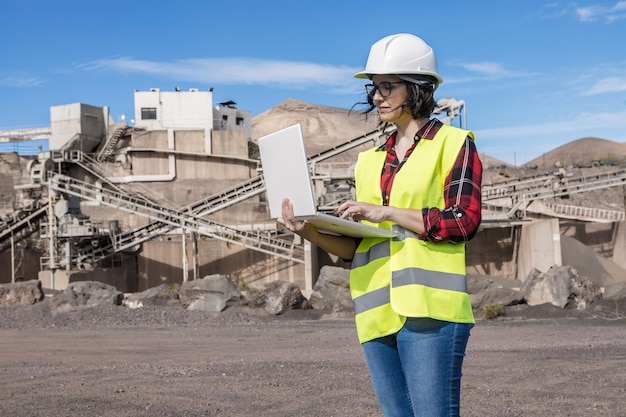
pixel 384 88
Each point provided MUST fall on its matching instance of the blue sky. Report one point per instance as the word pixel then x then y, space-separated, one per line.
pixel 534 74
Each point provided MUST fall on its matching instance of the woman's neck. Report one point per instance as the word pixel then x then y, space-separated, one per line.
pixel 407 130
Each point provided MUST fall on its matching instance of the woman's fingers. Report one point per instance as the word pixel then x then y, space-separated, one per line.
pixel 289 220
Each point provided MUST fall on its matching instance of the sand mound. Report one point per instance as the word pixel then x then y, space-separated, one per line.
pixel 599 270
pixel 583 152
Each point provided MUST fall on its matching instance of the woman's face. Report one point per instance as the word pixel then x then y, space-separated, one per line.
pixel 390 97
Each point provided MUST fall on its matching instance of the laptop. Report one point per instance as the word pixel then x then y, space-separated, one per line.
pixel 286 174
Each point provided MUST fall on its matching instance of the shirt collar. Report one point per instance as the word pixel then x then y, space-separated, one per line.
pixel 428 131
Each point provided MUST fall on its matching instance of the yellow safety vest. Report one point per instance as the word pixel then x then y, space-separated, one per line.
pixel 392 279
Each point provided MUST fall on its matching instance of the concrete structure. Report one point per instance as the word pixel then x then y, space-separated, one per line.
pixel 226 116
pixel 178 110
pixel 181 150
pixel 25 142
pixel 177 197
pixel 78 126
pixel 540 247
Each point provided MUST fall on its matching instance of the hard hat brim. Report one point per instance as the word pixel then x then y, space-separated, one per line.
pixel 366 75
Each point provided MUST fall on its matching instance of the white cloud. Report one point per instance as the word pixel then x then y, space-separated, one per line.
pixel 587 14
pixel 607 85
pixel 486 70
pixel 493 69
pixel 602 12
pixel 21 81
pixel 233 71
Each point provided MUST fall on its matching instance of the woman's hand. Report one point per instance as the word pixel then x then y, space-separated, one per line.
pixel 290 221
pixel 408 218
pixel 363 211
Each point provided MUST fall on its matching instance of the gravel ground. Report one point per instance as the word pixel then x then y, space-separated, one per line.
pixel 166 361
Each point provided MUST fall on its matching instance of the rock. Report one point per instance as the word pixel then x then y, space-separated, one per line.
pixel 539 289
pixel 615 291
pixel 478 283
pixel 86 294
pixel 280 296
pixel 583 292
pixel 498 295
pixel 484 290
pixel 161 295
pixel 211 293
pixel 560 286
pixel 332 290
pixel 25 292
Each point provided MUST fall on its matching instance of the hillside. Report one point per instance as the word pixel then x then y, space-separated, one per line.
pixel 582 153
pixel 325 127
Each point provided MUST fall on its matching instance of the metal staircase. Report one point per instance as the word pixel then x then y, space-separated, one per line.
pixel 514 197
pixel 99 172
pixel 202 208
pixel 373 136
pixel 130 239
pixel 176 218
pixel 21 227
pixel 581 213
pixel 109 146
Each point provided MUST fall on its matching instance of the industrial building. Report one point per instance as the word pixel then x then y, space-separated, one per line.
pixel 142 205
pixel 178 195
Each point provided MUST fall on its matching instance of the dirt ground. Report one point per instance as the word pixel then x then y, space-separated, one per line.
pixel 166 361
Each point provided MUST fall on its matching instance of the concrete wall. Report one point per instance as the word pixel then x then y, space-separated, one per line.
pixel 225 143
pixel 230 143
pixel 90 122
pixel 161 261
pixel 600 237
pixel 540 247
pixel 232 119
pixel 491 252
pixel 619 249
pixel 123 277
pixel 175 109
pixel 25 263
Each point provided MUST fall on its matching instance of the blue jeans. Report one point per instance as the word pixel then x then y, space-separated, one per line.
pixel 417 371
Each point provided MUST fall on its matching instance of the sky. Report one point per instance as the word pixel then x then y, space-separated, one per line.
pixel 534 75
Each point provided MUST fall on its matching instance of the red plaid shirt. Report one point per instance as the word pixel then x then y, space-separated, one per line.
pixel 458 221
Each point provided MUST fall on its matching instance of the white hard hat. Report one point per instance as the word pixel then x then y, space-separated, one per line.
pixel 402 53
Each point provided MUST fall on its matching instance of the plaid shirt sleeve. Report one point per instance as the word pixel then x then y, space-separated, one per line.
pixel 458 222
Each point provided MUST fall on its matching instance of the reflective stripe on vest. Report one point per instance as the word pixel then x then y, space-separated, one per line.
pixel 371 300
pixel 381 249
pixel 378 251
pixel 433 279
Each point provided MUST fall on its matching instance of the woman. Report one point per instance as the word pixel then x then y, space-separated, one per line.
pixel 413 314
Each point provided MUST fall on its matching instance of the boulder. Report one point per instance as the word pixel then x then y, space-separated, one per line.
pixel 560 286
pixel 212 293
pixel 485 290
pixel 332 290
pixel 86 294
pixel 24 292
pixel 280 296
pixel 496 295
pixel 615 291
pixel 163 294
